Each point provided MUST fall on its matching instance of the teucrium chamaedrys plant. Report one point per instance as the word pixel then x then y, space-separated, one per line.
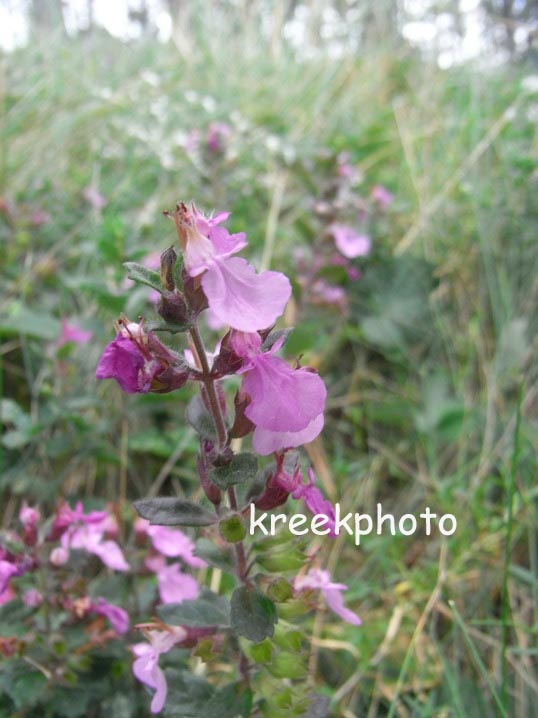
pixel 280 405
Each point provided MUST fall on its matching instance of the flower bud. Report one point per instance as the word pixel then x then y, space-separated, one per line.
pixel 168 261
pixel 242 425
pixel 196 299
pixel 280 590
pixel 232 529
pixel 211 491
pixel 227 361
pixel 173 307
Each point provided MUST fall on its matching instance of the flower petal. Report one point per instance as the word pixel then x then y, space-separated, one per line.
pixel 225 243
pixel 176 586
pixel 335 602
pixel 349 242
pixel 243 299
pixel 265 442
pixel 174 543
pixel 111 555
pixel 283 399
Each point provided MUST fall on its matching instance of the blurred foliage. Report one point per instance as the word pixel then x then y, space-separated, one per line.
pixel 422 370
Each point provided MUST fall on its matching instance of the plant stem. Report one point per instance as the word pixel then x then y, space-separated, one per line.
pixel 505 600
pixel 242 567
pixel 209 384
pixel 240 554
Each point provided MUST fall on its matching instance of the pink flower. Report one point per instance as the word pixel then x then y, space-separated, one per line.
pixel 72 333
pixel 29 516
pixel 146 665
pixel 94 197
pixel 349 242
pixel 236 295
pixel 345 169
pixel 217 135
pixel 332 593
pixel 174 544
pixel 315 502
pixel 174 585
pixel 86 532
pixel 59 556
pixel 286 405
pixel 32 598
pixel 326 293
pixel 118 617
pixel 279 485
pixel 39 217
pixel 382 196
pixel 139 362
pixel 126 360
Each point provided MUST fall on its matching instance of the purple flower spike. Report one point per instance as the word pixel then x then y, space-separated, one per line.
pixel 349 242
pixel 332 593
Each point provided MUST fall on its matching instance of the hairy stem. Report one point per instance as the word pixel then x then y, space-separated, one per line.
pixel 209 384
pixel 242 567
pixel 240 553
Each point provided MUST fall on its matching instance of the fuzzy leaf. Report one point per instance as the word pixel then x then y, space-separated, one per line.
pixel 143 275
pixel 253 614
pixel 209 609
pixel 275 336
pixel 169 511
pixel 239 470
pixel 200 419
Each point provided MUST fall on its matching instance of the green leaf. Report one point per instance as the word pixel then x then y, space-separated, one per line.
pixel 281 558
pixel 214 555
pixel 169 511
pixel 253 614
pixel 229 702
pixel 200 419
pixel 171 327
pixel 209 609
pixel 22 320
pixel 239 470
pixel 143 275
pixel 287 665
pixel 191 697
pixel 28 689
pixel 261 652
pixel 275 336
pixel 187 695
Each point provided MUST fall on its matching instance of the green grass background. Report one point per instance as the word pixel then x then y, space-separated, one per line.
pixel 432 378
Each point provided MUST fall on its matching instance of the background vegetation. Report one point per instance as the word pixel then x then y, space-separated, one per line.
pixel 431 372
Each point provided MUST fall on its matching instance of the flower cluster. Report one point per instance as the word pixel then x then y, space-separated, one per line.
pixel 51 545
pixel 284 405
pixel 345 218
